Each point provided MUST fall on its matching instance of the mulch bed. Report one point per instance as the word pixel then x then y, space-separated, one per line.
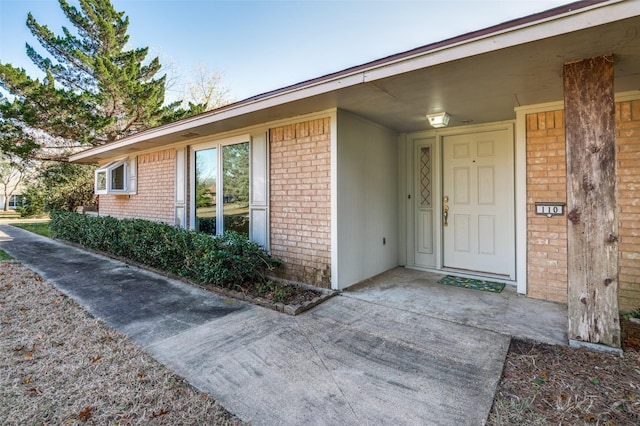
pixel 289 298
pixel 546 384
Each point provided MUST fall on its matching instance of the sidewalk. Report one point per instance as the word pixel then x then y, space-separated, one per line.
pixel 347 361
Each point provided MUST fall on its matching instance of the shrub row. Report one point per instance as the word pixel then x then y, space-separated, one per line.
pixel 230 260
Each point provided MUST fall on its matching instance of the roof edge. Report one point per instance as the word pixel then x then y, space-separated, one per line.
pixel 492 31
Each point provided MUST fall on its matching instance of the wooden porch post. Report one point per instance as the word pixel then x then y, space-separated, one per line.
pixel 592 229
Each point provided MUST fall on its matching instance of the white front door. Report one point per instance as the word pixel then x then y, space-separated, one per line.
pixel 478 203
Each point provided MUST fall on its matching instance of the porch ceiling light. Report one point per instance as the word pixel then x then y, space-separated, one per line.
pixel 440 119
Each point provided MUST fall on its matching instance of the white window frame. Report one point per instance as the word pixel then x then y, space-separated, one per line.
pixel 128 186
pixel 218 144
pixel 15 201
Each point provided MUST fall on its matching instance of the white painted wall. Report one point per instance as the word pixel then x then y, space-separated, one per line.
pixel 367 199
pixel 404 188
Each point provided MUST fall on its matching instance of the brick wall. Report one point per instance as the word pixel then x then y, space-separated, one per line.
pixel 628 162
pixel 154 200
pixel 300 200
pixel 546 181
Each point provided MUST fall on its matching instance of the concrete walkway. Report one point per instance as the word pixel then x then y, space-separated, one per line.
pixel 355 359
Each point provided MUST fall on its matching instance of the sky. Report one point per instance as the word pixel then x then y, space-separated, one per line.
pixel 265 45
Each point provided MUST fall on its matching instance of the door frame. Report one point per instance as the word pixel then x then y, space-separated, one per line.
pixel 412 141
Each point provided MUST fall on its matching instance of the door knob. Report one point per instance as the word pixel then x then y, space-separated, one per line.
pixel 445 214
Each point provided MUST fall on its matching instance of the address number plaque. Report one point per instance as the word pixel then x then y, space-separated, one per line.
pixel 550 209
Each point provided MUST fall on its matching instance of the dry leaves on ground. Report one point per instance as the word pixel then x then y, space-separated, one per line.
pixel 61 366
pixel 557 385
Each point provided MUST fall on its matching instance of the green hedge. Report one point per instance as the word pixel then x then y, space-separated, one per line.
pixel 230 260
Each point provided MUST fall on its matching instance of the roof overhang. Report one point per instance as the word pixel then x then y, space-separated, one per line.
pixel 477 77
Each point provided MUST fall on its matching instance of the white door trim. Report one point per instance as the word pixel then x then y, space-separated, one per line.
pixel 411 138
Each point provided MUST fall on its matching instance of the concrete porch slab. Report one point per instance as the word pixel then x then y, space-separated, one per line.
pixel 506 313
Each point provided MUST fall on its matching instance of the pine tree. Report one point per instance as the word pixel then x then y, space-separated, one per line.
pixel 94 91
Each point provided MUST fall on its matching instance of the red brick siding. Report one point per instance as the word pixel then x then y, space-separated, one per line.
pixel 628 162
pixel 154 200
pixel 546 181
pixel 300 200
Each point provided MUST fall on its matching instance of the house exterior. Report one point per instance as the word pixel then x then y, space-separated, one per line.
pixel 342 177
pixel 15 201
pixel 11 197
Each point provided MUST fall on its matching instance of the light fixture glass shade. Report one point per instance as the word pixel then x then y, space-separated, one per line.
pixel 438 120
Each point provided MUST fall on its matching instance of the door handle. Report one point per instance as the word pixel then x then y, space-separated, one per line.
pixel 445 214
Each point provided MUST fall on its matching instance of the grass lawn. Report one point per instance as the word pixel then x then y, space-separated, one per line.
pixel 40 228
pixel 4 255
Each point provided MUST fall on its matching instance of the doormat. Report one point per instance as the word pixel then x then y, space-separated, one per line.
pixel 473 284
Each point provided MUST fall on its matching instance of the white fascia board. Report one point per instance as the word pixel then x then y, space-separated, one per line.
pixel 598 14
